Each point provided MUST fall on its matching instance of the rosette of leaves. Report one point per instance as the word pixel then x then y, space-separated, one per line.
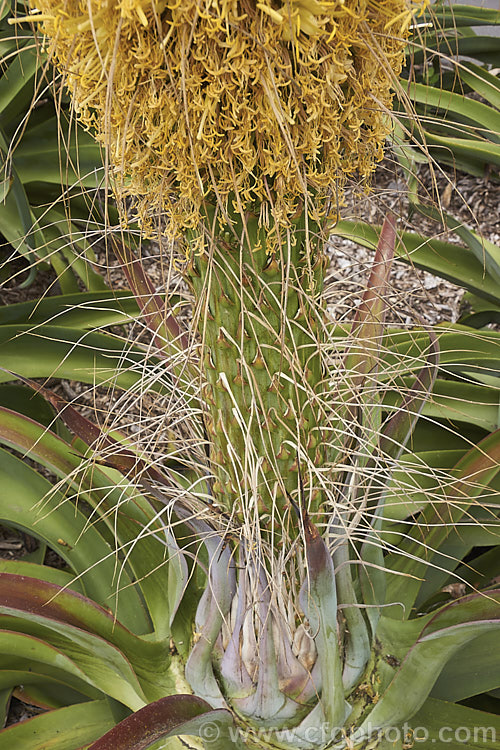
pixel 232 119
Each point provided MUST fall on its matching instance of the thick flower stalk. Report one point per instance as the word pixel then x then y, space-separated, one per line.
pixel 261 326
pixel 240 121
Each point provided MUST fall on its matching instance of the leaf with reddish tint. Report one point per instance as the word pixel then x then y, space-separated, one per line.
pixel 134 527
pixel 368 325
pixel 398 429
pixel 170 717
pixel 151 304
pixel 59 611
pixel 358 396
pixel 28 501
pixel 318 598
pixel 121 458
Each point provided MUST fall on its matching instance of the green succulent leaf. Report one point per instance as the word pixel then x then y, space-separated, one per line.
pixel 102 664
pixel 443 724
pixel 62 578
pixel 137 528
pixel 5 697
pixel 54 611
pixel 484 118
pixel 472 474
pixel 476 671
pixel 38 155
pixel 482 82
pixel 455 401
pixel 23 653
pixel 443 634
pixel 443 17
pixel 84 311
pixel 15 78
pixel 396 432
pixel 480 47
pixel 319 601
pixel 55 351
pixel 64 729
pixel 29 502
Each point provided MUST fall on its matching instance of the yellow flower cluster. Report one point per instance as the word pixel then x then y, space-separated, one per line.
pixel 253 104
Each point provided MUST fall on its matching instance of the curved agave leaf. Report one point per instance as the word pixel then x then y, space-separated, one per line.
pixel 481 312
pixel 483 48
pixel 482 81
pixel 21 400
pixel 442 17
pixel 66 529
pixel 463 351
pixel 476 671
pixel 55 351
pixel 170 717
pixel 49 608
pixel 481 530
pixel 442 635
pixel 62 578
pixel 147 549
pixel 64 729
pixel 91 637
pixel 472 473
pixel 444 259
pixel 16 77
pixel 482 570
pixel 40 155
pixel 26 660
pixel 85 310
pixel 47 158
pixel 484 118
pixel 418 482
pixel 103 666
pixel 454 726
pixel 396 432
pixel 456 401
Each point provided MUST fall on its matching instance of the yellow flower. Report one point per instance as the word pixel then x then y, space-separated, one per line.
pixel 272 102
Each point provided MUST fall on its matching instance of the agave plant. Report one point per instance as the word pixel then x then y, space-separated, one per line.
pixel 265 549
pixel 93 648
